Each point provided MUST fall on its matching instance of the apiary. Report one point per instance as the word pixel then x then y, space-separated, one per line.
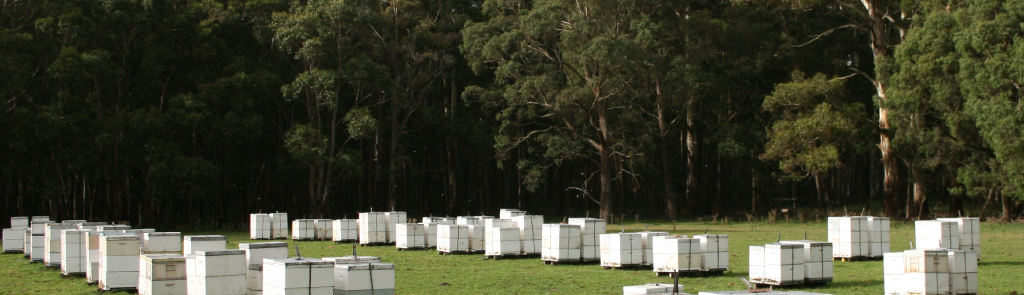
pixel 19 221
pixel 14 239
pixel 409 236
pixel 393 218
pixel 279 225
pixel 373 228
pixel 849 236
pixel 476 238
pixel 817 261
pixel 715 252
pixel 590 242
pixel 323 229
pixel 162 274
pixel 303 229
pixel 72 252
pixel 653 288
pixel 119 262
pixel 530 233
pixel 298 276
pixel 777 264
pixel 259 226
pixel 878 236
pixel 205 243
pixel 452 238
pixel 345 230
pixel 647 240
pixel 936 234
pixel 676 254
pixel 216 272
pixel 560 242
pixel 969 230
pixel 51 242
pixel 161 243
pixel 364 278
pixel 622 249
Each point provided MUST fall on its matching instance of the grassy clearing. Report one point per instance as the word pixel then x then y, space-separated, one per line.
pixel 426 272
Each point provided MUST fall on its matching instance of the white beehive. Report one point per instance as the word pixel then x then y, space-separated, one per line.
pixel 205 243
pixel 892 272
pixel 51 242
pixel 969 233
pixel 323 229
pixel 40 218
pixel 119 262
pixel 476 238
pixel 590 242
pixel 715 252
pixel 91 225
pixel 917 272
pixel 161 243
pixel 936 234
pixel 216 272
pixel 92 254
pixel 259 226
pixel 72 252
pixel 256 252
pixel 352 259
pixel 14 239
pixel 345 230
pixel 963 272
pixel 38 245
pixel 849 236
pixel 504 241
pixel 452 238
pixel 373 228
pixel 39 226
pixel 113 227
pixel 647 239
pixel 139 232
pixel 676 253
pixel 364 278
pixel 409 236
pixel 510 213
pixel 878 236
pixel 19 221
pixel 254 279
pixel 393 218
pixel 303 229
pixel 298 276
pixel 469 220
pixel 817 260
pixel 530 227
pixel 560 242
pixel 279 225
pixel 27 239
pixel 777 264
pixel 162 274
pixel 623 249
pixel 489 226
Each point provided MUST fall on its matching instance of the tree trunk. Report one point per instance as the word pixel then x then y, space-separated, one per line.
pixel 988 200
pixel 691 153
pixel 606 165
pixel 666 166
pixel 917 210
pixel 1007 206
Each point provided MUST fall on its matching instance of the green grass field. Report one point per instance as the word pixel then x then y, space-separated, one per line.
pixel 426 272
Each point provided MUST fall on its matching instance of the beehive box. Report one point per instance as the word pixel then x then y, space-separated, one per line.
pixel 969 232
pixel 259 226
pixel 38 245
pixel 409 236
pixel 560 242
pixel 453 238
pixel 878 236
pixel 917 272
pixel 393 218
pixel 51 242
pixel 298 276
pixel 469 220
pixel 590 243
pixel 113 227
pixel 323 229
pixel 963 272
pixel 715 252
pixel 530 230
pixel 216 272
pixel 364 278
pixel 303 229
pixel 91 225
pixel 119 262
pixel 489 226
pixel 504 241
pixel 675 254
pixel 476 238
pixel 818 263
pixel 623 249
pixel 373 228
pixel 647 240
pixel 27 239
pixel 849 236
pixel 162 274
pixel 40 218
pixel 430 234
pixel 72 252
pixel 345 230
pixel 510 213
pixel 205 243
pixel 39 227
pixel 352 259
pixel 14 239
pixel 936 234
pixel 777 264
pixel 254 279
pixel 161 243
pixel 139 232
pixel 279 225
pixel 92 254
pixel 19 221
pixel 256 252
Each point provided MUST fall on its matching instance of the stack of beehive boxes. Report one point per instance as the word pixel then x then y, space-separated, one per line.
pixel 161 243
pixel 430 225
pixel 216 272
pixel 254 255
pixel 715 252
pixel 409 236
pixel 92 255
pixel 364 278
pixel 259 227
pixel 14 237
pixel 560 242
pixel 162 274
pixel 27 239
pixel 936 234
pixel 676 254
pixel 38 241
pixel 510 213
pixel 393 218
pixel 205 243
pixel 590 243
pixel 878 236
pixel 917 272
pixel 530 227
pixel 323 229
pixel 298 276
pixel 491 229
pixel 119 262
pixel 373 228
pixel 452 238
pixel 279 225
pixel 504 241
pixel 303 229
pixel 623 249
pixel 777 264
pixel 345 230
pixel 849 235
pixel 963 272
pixel 72 252
pixel 51 240
pixel 817 261
pixel 969 233
pixel 647 240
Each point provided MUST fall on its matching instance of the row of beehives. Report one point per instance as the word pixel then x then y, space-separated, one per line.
pixel 268 226
pixel 962 233
pixel 859 236
pixel 791 263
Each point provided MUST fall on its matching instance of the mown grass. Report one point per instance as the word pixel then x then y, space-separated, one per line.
pixel 426 272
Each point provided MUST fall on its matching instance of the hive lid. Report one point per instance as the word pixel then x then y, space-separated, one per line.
pixel 381 266
pixel 220 252
pixel 41 221
pixel 73 221
pixel 262 245
pixel 784 246
pixel 353 259
pixel 121 237
pixel 350 267
pixel 18 228
pixel 61 226
pixel 163 234
pixel 163 257
pixel 19 217
pixel 206 238
pixel 295 261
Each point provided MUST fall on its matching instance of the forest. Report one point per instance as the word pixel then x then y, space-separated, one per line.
pixel 195 113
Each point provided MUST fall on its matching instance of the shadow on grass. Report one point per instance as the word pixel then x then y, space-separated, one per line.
pixel 843 285
pixel 994 263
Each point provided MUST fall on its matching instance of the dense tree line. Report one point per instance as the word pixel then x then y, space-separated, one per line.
pixel 185 113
